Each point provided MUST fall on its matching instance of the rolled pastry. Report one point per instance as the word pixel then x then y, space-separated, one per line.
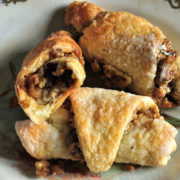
pixel 130 53
pixel 43 141
pixel 49 73
pixel 176 83
pixel 111 126
pixel 51 139
pixel 80 15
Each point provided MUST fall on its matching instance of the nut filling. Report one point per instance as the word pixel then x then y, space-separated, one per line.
pixel 166 72
pixel 113 78
pixel 73 145
pixel 49 81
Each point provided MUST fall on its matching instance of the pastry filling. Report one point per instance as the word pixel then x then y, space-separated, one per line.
pixel 113 78
pixel 166 72
pixel 73 145
pixel 50 80
pixel 143 118
pixel 63 120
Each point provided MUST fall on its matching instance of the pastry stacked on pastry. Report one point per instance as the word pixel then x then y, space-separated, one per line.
pixel 111 126
pixel 95 125
pixel 128 51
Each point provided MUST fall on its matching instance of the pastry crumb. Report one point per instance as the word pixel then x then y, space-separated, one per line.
pixel 57 170
pixel 42 168
pixel 129 167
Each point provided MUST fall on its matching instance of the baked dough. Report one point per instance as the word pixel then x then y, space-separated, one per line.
pixel 131 53
pixel 147 141
pixel 112 126
pixel 106 118
pixel 80 15
pixel 46 140
pixel 49 73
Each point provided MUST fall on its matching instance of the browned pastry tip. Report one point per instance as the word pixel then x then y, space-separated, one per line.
pixel 80 15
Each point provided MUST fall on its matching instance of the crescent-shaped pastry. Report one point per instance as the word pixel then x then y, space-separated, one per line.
pixel 49 73
pixel 128 52
pixel 111 126
pixel 80 15
pixel 131 53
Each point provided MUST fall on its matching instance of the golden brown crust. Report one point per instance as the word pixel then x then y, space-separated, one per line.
pixel 42 141
pixel 147 141
pixel 39 56
pixel 58 40
pixel 80 15
pixel 124 39
pixel 111 126
pixel 107 119
pixel 46 140
pixel 101 117
pixel 130 44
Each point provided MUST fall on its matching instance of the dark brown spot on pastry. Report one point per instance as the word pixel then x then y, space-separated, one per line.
pixel 24 104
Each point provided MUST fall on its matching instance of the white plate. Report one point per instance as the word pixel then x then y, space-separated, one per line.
pixel 25 24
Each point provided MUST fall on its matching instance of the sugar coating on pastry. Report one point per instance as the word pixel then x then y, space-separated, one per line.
pixel 101 117
pixel 147 141
pixel 45 140
pixel 135 47
pixel 118 39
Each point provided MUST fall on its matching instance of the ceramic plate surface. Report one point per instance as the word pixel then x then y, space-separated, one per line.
pixel 22 26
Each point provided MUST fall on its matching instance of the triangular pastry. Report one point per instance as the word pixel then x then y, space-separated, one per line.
pixel 103 116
